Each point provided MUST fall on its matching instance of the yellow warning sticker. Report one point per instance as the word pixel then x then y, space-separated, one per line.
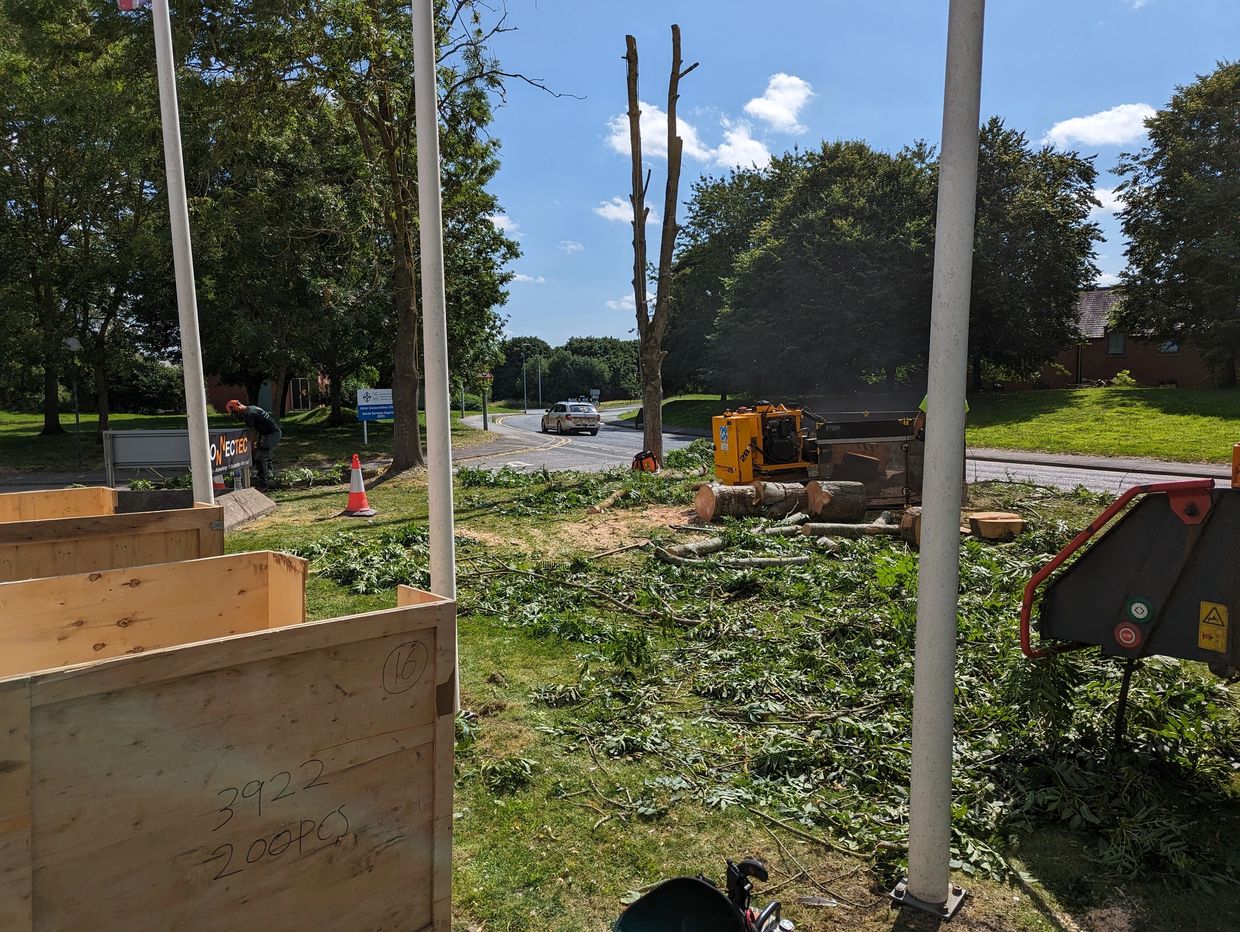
pixel 1212 627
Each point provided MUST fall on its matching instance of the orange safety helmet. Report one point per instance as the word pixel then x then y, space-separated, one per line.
pixel 233 406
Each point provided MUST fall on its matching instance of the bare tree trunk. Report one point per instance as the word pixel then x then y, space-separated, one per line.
pixel 51 398
pixel 337 397
pixel 651 328
pixel 406 431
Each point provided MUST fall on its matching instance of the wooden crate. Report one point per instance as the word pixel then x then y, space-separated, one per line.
pixel 79 530
pixel 200 761
pixel 57 503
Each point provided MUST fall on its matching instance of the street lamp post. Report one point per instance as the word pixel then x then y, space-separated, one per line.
pixel 540 401
pixel 525 386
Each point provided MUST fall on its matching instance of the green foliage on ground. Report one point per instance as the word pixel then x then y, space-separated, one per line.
pixel 626 720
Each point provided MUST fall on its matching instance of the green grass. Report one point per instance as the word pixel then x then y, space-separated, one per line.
pixel 559 852
pixel 308 439
pixel 1174 424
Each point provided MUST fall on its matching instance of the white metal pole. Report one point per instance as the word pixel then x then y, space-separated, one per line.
pixel 182 257
pixel 434 307
pixel 938 580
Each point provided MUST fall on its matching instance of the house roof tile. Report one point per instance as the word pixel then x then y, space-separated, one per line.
pixel 1092 310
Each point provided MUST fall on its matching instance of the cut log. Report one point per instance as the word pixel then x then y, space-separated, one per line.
pixel 850 530
pixel 745 562
pixel 835 501
pixel 799 518
pixel 779 499
pixel 605 503
pixel 781 530
pixel 698 548
pixel 995 525
pixel 714 500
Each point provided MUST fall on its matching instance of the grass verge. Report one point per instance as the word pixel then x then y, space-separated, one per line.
pixel 309 440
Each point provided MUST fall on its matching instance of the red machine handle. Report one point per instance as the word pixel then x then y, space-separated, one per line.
pixel 1026 605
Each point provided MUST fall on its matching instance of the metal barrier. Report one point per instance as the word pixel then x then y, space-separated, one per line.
pixel 231 450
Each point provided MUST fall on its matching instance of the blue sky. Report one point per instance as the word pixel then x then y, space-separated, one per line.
pixel 1077 73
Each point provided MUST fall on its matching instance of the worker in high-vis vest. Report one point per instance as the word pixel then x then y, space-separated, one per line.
pixel 919 424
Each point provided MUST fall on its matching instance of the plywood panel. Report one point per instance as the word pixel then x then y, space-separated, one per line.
pixel 57 503
pixel 15 823
pixel 286 779
pixel 59 621
pixel 63 546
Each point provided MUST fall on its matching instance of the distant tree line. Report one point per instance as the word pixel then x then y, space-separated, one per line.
pixel 581 364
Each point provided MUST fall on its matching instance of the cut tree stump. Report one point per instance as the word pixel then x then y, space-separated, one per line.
pixel 910 525
pixel 779 499
pixel 995 525
pixel 836 501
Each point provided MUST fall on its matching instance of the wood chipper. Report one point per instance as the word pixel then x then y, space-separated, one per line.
pixel 882 450
pixel 1164 579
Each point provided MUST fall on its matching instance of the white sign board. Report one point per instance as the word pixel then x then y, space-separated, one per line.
pixel 374 404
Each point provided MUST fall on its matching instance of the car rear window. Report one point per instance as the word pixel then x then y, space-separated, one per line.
pixel 581 409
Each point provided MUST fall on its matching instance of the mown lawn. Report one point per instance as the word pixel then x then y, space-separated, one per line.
pixel 308 439
pixel 604 746
pixel 1175 424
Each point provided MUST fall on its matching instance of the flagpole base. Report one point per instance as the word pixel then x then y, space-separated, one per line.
pixel 945 910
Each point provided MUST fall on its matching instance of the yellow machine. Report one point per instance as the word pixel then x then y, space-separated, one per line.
pixel 882 450
pixel 757 442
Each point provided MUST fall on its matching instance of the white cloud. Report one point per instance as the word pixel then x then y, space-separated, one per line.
pixel 627 303
pixel 1106 278
pixel 505 224
pixel 570 246
pixel 654 134
pixel 740 149
pixel 529 279
pixel 781 104
pixel 621 210
pixel 1137 4
pixel 1121 124
pixel 1109 199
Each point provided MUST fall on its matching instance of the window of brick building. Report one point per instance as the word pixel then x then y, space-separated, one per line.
pixel 1170 348
pixel 1117 344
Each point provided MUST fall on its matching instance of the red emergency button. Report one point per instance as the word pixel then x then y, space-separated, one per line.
pixel 1128 635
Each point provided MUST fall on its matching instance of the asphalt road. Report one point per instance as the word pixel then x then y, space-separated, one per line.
pixel 524 447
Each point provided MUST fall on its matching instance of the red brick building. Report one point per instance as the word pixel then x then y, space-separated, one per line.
pixel 1106 352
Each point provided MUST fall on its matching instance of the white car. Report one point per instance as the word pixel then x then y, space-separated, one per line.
pixel 570 416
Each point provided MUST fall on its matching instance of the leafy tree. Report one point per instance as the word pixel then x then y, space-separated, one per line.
pixel 358 54
pixel 720 221
pixel 1180 194
pixel 1033 252
pixel 572 376
pixel 836 290
pixel 508 382
pixel 72 191
pixel 620 358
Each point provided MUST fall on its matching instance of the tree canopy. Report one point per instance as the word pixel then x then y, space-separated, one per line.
pixel 813 275
pixel 1180 195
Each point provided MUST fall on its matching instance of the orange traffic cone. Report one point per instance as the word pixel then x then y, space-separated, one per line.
pixel 358 507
